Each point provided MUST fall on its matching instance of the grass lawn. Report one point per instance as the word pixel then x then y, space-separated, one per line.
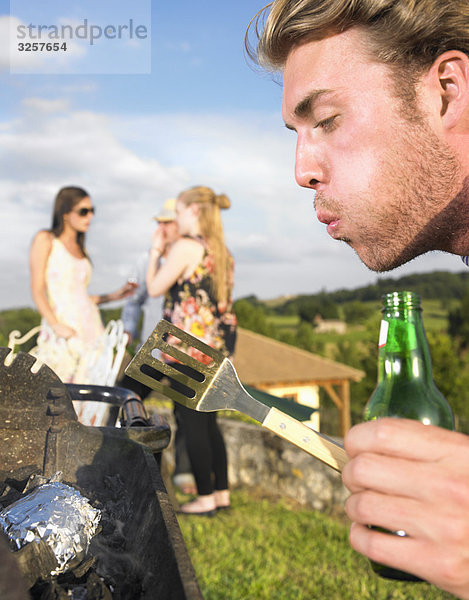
pixel 265 549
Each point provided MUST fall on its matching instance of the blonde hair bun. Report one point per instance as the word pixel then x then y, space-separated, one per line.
pixel 222 201
pixel 201 194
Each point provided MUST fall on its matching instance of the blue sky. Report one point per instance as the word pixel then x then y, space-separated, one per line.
pixel 201 116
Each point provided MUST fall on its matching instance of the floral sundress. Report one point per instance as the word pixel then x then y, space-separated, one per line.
pixel 191 306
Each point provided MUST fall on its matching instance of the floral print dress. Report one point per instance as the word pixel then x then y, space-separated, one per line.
pixel 191 305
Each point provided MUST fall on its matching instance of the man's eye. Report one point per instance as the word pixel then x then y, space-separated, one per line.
pixel 326 124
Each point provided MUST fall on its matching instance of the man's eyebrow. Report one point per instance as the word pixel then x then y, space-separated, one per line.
pixel 305 106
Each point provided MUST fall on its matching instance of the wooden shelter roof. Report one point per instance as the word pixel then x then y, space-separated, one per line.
pixel 260 360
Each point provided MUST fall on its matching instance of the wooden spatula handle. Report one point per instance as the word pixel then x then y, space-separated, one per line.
pixel 307 439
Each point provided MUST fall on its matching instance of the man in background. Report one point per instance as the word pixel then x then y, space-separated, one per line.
pixel 140 302
pixel 377 92
pixel 152 309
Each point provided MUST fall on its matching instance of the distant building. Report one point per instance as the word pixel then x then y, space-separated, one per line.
pixel 327 325
pixel 289 372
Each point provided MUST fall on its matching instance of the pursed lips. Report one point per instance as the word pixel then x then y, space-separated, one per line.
pixel 332 221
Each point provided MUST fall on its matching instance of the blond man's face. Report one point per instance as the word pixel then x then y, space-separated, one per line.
pixel 381 181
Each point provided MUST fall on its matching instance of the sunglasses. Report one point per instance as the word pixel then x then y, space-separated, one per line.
pixel 82 212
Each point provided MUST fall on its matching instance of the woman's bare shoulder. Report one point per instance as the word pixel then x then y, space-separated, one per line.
pixel 186 244
pixel 43 239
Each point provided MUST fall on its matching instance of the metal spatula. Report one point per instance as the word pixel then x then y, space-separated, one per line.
pixel 215 386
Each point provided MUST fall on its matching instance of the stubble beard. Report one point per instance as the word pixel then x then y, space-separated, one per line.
pixel 405 207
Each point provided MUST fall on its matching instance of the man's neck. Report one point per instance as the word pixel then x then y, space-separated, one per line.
pixel 458 213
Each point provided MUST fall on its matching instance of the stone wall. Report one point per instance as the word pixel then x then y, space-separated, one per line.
pixel 259 459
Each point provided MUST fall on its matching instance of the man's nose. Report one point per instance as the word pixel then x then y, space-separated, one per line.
pixel 309 170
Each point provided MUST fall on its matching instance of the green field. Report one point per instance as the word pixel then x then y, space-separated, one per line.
pixel 265 549
pixel 435 318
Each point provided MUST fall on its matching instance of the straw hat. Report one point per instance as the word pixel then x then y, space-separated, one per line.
pixel 168 212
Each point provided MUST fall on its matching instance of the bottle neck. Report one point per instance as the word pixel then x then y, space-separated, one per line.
pixel 403 347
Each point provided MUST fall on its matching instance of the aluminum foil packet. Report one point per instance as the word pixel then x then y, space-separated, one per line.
pixel 58 514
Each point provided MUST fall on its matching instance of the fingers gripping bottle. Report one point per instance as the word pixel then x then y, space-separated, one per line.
pixel 405 386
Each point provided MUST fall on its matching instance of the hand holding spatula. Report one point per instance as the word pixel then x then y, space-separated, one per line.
pixel 216 386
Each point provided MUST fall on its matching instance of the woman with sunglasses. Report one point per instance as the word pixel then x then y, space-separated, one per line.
pixel 60 273
pixel 197 280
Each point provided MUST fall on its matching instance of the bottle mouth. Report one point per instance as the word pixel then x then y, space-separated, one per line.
pixel 401 299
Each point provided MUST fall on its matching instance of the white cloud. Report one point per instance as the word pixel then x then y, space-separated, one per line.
pixel 40 106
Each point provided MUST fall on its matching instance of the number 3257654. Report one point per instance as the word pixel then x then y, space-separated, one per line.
pixel 42 46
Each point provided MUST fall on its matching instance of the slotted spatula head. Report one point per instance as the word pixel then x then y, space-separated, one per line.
pixel 203 387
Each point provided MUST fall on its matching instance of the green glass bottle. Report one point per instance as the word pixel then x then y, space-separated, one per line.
pixel 405 386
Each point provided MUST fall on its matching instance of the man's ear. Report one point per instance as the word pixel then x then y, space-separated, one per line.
pixel 449 78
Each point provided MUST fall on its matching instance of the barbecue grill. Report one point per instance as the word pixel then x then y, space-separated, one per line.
pixel 139 552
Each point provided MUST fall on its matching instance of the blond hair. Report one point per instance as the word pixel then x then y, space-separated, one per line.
pixel 401 33
pixel 211 229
